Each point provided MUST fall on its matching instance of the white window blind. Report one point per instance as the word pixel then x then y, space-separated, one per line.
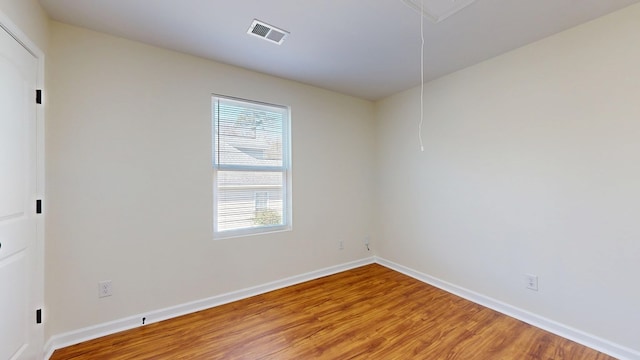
pixel 250 163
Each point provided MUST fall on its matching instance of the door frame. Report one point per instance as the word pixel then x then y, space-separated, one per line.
pixel 39 249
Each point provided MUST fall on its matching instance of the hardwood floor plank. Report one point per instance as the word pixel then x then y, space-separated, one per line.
pixel 365 313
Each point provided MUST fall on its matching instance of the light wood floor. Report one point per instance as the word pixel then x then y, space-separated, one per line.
pixel 366 313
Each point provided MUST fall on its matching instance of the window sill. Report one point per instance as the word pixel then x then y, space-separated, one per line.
pixel 250 232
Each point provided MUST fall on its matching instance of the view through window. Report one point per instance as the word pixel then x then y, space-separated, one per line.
pixel 251 167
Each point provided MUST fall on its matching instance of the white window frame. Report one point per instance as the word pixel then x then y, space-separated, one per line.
pixel 285 169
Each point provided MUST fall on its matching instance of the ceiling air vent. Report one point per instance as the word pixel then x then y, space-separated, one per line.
pixel 267 32
pixel 438 10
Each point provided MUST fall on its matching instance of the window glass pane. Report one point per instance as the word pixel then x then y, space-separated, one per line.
pixel 248 134
pixel 261 200
pixel 248 199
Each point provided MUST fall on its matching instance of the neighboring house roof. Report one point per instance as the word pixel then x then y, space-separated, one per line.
pixel 246 150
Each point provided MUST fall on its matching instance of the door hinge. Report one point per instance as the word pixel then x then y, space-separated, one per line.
pixel 39 316
pixel 38 96
pixel 38 206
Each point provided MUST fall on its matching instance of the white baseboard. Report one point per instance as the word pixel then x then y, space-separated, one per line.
pixel 551 326
pixel 96 331
pixel 112 327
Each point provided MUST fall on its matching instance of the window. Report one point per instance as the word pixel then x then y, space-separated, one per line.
pixel 251 167
pixel 262 200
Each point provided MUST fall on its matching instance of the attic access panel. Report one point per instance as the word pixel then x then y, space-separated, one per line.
pixel 438 10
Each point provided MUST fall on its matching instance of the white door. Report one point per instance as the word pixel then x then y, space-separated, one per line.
pixel 20 336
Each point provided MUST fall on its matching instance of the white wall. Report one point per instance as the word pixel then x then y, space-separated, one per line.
pixel 129 180
pixel 531 165
pixel 29 16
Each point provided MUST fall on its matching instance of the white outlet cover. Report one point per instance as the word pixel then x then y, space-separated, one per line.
pixel 531 282
pixel 104 288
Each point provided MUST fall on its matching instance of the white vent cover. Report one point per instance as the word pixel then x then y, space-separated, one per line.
pixel 438 10
pixel 267 32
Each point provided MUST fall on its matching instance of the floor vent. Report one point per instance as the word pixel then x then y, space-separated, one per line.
pixel 267 32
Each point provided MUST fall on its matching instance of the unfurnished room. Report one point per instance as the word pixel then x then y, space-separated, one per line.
pixel 321 179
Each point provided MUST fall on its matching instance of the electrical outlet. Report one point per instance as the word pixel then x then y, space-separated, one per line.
pixel 341 245
pixel 104 289
pixel 366 242
pixel 531 282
